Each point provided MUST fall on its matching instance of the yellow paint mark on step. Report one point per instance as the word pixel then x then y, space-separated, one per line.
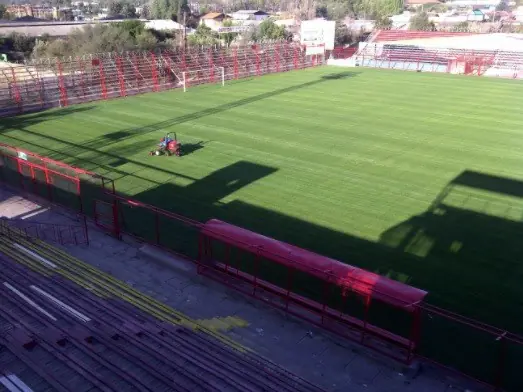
pixel 223 323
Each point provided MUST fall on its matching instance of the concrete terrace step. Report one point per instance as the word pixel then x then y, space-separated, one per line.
pixel 141 343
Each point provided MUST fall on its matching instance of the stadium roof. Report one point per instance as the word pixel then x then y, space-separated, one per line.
pixel 490 42
pixel 214 15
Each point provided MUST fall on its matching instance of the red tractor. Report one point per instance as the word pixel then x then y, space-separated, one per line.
pixel 169 145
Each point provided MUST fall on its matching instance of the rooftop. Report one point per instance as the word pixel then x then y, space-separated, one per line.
pixel 213 15
pixel 251 12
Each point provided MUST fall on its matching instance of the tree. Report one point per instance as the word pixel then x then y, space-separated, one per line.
pixel 322 12
pixel 502 6
pixel 383 22
pixel 462 27
pixel 376 9
pixel 20 42
pixel 228 38
pixel 203 36
pixel 168 9
pixel 146 41
pixel 338 10
pixel 420 22
pixel 128 10
pixel 146 12
pixel 128 35
pixel 115 8
pixel 3 11
pixel 271 31
pixel 342 35
pixel 134 27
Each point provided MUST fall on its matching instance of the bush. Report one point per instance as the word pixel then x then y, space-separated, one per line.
pixel 128 35
pixel 420 22
pixel 462 27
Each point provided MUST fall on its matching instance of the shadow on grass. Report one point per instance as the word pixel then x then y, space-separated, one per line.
pixel 27 120
pixel 190 148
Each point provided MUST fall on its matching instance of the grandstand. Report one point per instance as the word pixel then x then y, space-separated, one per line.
pixel 42 84
pixel 497 54
pixel 66 326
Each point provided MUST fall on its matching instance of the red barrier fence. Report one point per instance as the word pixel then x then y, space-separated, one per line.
pixel 342 53
pixel 61 82
pixel 323 291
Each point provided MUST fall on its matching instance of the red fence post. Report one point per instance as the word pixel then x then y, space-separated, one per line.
pixel 81 67
pixel 277 57
pixel 103 86
pixel 257 58
pixel 135 63
pixel 235 59
pixel 61 84
pixel 16 91
pixel 267 60
pixel 171 72
pixel 211 65
pixel 154 73
pixel 121 76
pixel 295 58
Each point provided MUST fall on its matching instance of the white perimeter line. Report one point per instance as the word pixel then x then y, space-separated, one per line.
pixel 35 256
pixel 60 304
pixel 14 384
pixel 29 301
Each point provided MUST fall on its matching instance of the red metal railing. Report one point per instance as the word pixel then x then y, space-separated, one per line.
pixel 58 233
pixel 341 52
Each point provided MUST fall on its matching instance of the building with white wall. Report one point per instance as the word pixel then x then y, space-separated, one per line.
pixel 250 15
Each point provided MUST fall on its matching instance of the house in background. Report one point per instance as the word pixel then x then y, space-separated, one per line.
pixel 163 25
pixel 421 4
pixel 256 15
pixel 214 20
pixel 33 11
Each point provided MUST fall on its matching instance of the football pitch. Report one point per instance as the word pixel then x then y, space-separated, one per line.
pixel 416 176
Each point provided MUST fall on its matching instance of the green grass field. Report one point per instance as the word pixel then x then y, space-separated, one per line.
pixel 416 176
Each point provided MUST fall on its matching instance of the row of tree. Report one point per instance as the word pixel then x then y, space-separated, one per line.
pixel 128 35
